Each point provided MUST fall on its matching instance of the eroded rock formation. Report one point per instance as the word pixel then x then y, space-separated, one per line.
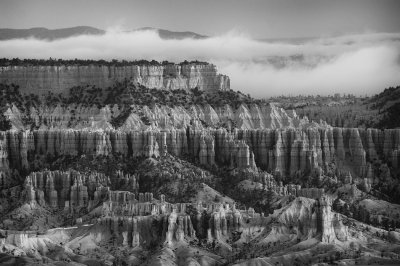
pixel 312 218
pixel 71 189
pixel 163 117
pixel 284 151
pixel 58 79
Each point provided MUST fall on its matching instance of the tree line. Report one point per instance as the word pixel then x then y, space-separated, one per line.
pixel 87 62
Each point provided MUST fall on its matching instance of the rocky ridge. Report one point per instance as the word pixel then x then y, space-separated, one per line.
pixel 59 79
pixel 253 116
pixel 109 180
pixel 289 152
pixel 72 189
pixel 172 225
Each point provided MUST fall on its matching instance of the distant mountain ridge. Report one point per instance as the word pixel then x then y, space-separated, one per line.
pixel 55 34
pixel 48 34
pixel 178 35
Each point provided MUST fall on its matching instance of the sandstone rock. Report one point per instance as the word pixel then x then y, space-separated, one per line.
pixel 310 218
pixel 279 155
pixel 324 220
pixel 71 188
pixel 395 159
pixel 203 152
pixel 311 193
pixel 370 145
pixel 289 152
pixel 357 152
pixel 4 163
pixel 58 79
pixel 176 227
pixel 339 145
pixel 51 192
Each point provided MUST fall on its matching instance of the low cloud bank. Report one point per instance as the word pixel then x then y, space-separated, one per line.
pixel 358 64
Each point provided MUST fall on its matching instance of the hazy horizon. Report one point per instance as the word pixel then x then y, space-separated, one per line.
pixel 357 64
pixel 259 19
pixel 355 49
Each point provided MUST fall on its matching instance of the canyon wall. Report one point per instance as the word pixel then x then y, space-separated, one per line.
pixel 216 223
pixel 309 218
pixel 288 152
pixel 59 79
pixel 69 189
pixel 209 221
pixel 251 116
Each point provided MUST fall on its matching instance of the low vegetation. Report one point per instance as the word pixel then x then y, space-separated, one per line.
pixel 81 62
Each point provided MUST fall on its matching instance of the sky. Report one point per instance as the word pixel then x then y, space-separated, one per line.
pixel 258 18
pixel 355 46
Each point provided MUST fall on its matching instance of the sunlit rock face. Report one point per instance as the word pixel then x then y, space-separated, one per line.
pixel 287 151
pixel 170 223
pixel 160 116
pixel 177 150
pixel 3 153
pixel 58 79
pixel 312 218
pixel 69 189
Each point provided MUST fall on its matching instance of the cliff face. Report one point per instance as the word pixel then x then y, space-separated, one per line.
pixel 288 152
pixel 170 140
pixel 329 224
pixel 59 79
pixel 163 117
pixel 210 221
pixel 59 189
pixel 310 218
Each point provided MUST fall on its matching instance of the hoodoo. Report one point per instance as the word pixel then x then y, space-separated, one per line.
pixel 163 164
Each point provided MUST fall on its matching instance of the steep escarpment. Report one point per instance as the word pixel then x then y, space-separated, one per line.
pixel 70 189
pixel 148 223
pixel 290 152
pixel 161 116
pixel 59 79
pixel 130 106
pixel 138 176
pixel 311 218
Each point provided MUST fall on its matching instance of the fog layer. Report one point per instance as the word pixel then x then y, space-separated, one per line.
pixel 358 64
